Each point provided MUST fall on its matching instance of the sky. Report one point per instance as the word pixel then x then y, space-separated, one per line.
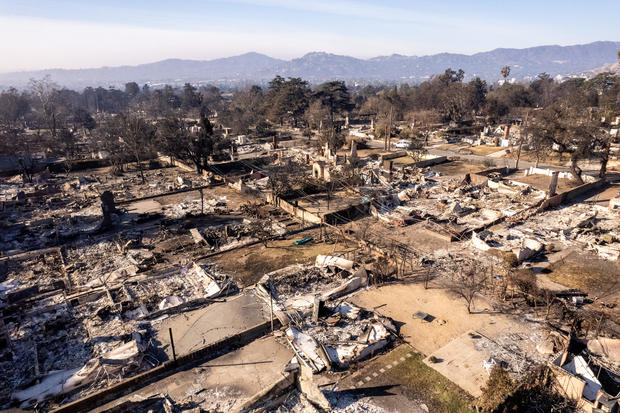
pixel 44 34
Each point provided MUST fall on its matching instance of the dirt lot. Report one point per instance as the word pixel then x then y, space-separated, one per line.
pixel 599 278
pixel 541 182
pixel 248 265
pixel 400 301
pixel 458 168
pixel 449 321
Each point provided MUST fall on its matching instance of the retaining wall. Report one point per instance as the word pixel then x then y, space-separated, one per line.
pixel 433 161
pixel 572 194
pixel 298 212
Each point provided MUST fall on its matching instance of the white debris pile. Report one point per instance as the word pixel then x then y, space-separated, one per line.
pixel 523 246
pixel 508 349
pixel 47 337
pixel 58 382
pixel 177 286
pixel 325 330
pixel 584 226
pixel 340 340
pixel 452 200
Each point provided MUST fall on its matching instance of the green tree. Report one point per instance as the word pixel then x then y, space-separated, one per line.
pixel 570 128
pixel 211 100
pixel 190 98
pixel 175 139
pixel 132 90
pixel 334 97
pixel 163 101
pixel 542 89
pixel 477 91
pixel 83 119
pixel 451 76
pixel 245 110
pixel 287 99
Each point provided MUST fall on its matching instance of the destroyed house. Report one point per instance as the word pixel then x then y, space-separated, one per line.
pixel 587 382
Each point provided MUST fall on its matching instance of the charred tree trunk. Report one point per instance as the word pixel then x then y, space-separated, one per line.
pixel 604 159
pixel 575 169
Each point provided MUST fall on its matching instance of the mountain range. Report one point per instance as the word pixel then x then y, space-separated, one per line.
pixel 317 67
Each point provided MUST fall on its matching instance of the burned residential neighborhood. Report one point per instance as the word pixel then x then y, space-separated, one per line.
pixel 312 243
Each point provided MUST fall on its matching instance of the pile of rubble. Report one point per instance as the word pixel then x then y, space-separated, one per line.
pixel 456 202
pixel 590 227
pixel 84 326
pixel 56 208
pixel 324 330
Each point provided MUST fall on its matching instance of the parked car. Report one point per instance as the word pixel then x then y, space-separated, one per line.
pixel 402 144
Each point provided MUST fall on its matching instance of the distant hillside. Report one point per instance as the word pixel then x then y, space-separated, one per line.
pixel 614 67
pixel 318 67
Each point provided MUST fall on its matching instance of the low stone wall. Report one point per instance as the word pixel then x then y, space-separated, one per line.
pixel 561 175
pixel 433 161
pixel 298 212
pixel 392 155
pixel 572 194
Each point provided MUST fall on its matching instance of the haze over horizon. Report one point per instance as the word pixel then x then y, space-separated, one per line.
pixel 71 34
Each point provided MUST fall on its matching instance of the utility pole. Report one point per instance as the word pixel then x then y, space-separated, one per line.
pixel 174 353
pixel 271 303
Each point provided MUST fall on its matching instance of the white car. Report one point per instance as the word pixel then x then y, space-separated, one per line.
pixel 402 144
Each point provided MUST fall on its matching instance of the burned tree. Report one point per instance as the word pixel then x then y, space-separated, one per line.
pixel 262 230
pixel 470 282
pixel 137 138
pixel 47 93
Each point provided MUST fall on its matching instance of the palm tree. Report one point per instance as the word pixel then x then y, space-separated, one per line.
pixel 505 72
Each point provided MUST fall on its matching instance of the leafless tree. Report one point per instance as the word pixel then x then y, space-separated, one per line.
pixel 262 229
pixel 549 299
pixel 470 282
pixel 47 93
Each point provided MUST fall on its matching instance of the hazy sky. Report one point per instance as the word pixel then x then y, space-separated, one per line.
pixel 37 34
